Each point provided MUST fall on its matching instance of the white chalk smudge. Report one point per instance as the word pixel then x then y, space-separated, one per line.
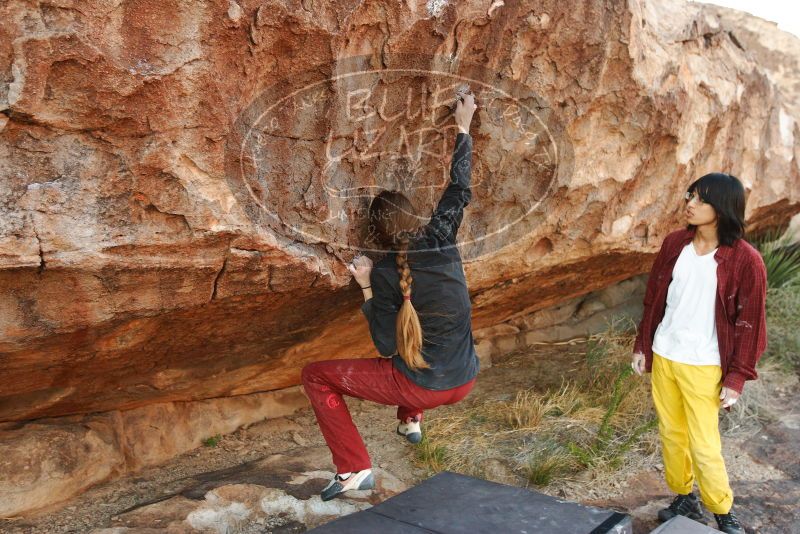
pixel 435 7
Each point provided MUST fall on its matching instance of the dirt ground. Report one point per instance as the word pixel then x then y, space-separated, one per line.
pixel 762 460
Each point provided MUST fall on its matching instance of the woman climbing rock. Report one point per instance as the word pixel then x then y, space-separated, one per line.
pixel 418 308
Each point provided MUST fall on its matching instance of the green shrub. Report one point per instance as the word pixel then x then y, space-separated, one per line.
pixel 546 464
pixel 213 441
pixel 783 318
pixel 781 258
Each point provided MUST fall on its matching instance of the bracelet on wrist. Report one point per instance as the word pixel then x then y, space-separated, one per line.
pixel 365 287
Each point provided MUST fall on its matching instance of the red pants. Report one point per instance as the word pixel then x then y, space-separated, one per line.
pixel 373 379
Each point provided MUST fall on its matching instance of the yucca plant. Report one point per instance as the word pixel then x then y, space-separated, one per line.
pixel 781 257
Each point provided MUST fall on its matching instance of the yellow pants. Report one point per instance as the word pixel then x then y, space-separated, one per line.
pixel 686 398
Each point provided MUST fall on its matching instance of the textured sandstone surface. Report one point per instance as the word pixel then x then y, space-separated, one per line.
pixel 50 460
pixel 180 182
pixel 269 495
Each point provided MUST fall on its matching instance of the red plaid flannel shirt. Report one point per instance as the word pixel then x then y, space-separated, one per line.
pixel 739 311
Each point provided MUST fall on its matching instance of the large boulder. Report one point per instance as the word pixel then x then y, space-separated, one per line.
pixel 183 181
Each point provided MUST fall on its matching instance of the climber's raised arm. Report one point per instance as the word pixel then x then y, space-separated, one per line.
pixel 449 212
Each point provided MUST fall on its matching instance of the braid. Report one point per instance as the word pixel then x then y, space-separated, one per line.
pixel 404 270
pixel 409 330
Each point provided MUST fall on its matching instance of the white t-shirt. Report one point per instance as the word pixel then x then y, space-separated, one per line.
pixel 688 331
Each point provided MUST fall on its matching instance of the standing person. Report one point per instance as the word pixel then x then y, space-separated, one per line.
pixel 702 331
pixel 420 324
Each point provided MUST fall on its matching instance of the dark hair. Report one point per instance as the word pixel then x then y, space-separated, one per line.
pixel 392 219
pixel 393 222
pixel 725 193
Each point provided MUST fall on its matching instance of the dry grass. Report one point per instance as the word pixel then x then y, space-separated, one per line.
pixel 758 401
pixel 542 432
pixel 529 408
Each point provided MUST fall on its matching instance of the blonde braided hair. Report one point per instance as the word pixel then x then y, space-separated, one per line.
pixel 409 330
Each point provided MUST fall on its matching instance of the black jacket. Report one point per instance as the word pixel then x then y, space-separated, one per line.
pixel 438 291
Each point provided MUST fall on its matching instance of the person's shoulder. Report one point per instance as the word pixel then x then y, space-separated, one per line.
pixel 747 252
pixel 743 246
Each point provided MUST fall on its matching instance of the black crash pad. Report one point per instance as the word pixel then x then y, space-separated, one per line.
pixel 449 503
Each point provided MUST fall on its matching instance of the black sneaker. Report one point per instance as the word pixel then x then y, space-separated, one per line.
pixel 685 505
pixel 361 480
pixel 728 523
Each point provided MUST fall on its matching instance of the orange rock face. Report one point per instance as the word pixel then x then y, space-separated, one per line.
pixel 182 182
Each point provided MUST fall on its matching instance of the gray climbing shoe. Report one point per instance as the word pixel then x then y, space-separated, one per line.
pixel 411 430
pixel 361 480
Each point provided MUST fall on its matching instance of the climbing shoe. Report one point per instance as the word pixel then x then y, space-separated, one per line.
pixel 361 480
pixel 411 430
